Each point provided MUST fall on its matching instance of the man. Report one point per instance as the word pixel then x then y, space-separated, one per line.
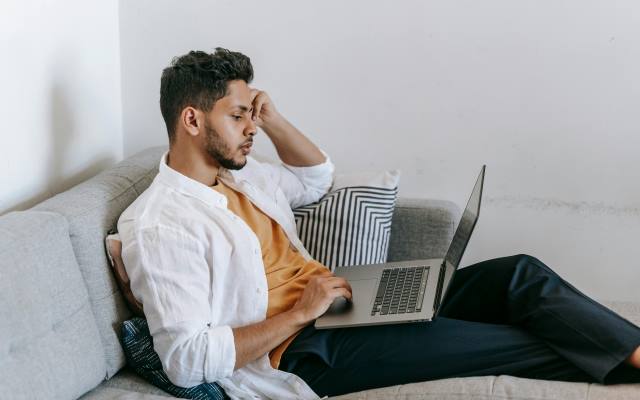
pixel 230 293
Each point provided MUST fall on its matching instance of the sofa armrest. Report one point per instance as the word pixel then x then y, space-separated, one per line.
pixel 422 228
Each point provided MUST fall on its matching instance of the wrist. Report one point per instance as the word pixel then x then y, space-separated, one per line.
pixel 299 318
pixel 274 125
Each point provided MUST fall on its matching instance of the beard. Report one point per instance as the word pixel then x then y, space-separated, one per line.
pixel 219 150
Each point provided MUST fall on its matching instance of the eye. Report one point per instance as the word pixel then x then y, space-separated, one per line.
pixel 237 117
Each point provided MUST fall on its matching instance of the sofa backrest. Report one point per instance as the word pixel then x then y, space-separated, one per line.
pixel 422 229
pixel 92 208
pixel 50 347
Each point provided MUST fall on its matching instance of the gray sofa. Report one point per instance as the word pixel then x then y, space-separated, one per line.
pixel 61 310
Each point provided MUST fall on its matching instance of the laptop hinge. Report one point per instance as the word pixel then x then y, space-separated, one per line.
pixel 436 302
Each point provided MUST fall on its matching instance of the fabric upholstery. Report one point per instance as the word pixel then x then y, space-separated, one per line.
pixel 109 393
pixel 49 343
pixel 92 209
pixel 126 381
pixel 423 229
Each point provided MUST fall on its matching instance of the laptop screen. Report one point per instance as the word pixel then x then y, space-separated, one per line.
pixel 466 225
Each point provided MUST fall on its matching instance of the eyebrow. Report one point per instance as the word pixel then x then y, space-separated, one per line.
pixel 243 108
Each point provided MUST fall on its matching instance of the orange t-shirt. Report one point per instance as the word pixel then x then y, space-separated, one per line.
pixel 286 269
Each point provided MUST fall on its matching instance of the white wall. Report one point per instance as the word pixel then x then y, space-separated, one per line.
pixel 59 96
pixel 544 92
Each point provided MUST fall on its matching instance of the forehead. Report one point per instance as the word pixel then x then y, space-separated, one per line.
pixel 238 96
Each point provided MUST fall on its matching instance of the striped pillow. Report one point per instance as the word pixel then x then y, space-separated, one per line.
pixel 351 224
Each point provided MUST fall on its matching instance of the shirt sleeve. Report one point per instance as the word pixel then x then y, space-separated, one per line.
pixel 165 270
pixel 302 185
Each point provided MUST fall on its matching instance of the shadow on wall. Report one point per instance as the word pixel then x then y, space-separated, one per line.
pixel 64 132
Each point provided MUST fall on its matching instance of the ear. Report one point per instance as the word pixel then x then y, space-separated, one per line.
pixel 191 120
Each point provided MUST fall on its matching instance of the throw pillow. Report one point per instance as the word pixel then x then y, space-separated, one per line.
pixel 114 254
pixel 138 348
pixel 351 224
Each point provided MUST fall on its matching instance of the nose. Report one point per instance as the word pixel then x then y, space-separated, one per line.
pixel 251 129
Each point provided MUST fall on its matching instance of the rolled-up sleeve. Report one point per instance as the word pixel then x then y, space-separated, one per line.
pixel 302 185
pixel 165 269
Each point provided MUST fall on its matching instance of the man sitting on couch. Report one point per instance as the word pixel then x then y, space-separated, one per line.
pixel 230 294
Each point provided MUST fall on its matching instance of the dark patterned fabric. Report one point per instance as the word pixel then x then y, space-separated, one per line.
pixel 138 348
pixel 348 226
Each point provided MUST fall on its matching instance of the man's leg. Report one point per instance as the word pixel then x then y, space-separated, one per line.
pixel 522 291
pixel 338 361
pixel 561 324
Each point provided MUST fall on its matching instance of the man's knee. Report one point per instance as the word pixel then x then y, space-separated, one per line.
pixel 530 264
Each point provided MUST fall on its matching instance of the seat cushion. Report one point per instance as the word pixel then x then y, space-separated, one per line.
pixel 126 384
pixel 497 387
pixel 50 347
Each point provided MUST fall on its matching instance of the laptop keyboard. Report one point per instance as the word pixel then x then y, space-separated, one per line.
pixel 401 290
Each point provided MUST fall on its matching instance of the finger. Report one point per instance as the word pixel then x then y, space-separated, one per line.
pixel 337 282
pixel 257 108
pixel 342 292
pixel 349 287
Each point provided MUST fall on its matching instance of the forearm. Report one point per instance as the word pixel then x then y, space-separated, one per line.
pixel 252 341
pixel 293 147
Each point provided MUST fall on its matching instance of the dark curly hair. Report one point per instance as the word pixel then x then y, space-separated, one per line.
pixel 199 79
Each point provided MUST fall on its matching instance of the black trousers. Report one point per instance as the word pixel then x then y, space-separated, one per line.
pixel 506 316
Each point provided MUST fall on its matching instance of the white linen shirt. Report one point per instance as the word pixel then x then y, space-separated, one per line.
pixel 197 270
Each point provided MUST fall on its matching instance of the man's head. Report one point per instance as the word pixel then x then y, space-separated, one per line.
pixel 205 100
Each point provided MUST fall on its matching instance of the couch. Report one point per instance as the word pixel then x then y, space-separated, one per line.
pixel 61 310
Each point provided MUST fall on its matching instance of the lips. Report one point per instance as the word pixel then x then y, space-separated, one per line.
pixel 246 148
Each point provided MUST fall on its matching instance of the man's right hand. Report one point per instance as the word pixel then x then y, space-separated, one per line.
pixel 254 340
pixel 319 294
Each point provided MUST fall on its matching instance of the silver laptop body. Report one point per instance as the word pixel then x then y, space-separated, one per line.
pixel 407 291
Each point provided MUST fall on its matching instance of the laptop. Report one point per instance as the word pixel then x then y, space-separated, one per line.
pixel 402 292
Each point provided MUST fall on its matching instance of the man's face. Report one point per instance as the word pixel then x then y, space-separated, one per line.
pixel 229 129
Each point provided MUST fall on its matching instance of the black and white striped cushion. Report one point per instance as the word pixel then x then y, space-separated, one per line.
pixel 350 225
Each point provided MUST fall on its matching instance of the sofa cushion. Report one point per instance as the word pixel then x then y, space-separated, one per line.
pixel 126 381
pixel 138 347
pixel 351 224
pixel 50 346
pixel 92 209
pixel 427 229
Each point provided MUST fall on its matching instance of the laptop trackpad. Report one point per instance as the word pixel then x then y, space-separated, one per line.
pixel 362 291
